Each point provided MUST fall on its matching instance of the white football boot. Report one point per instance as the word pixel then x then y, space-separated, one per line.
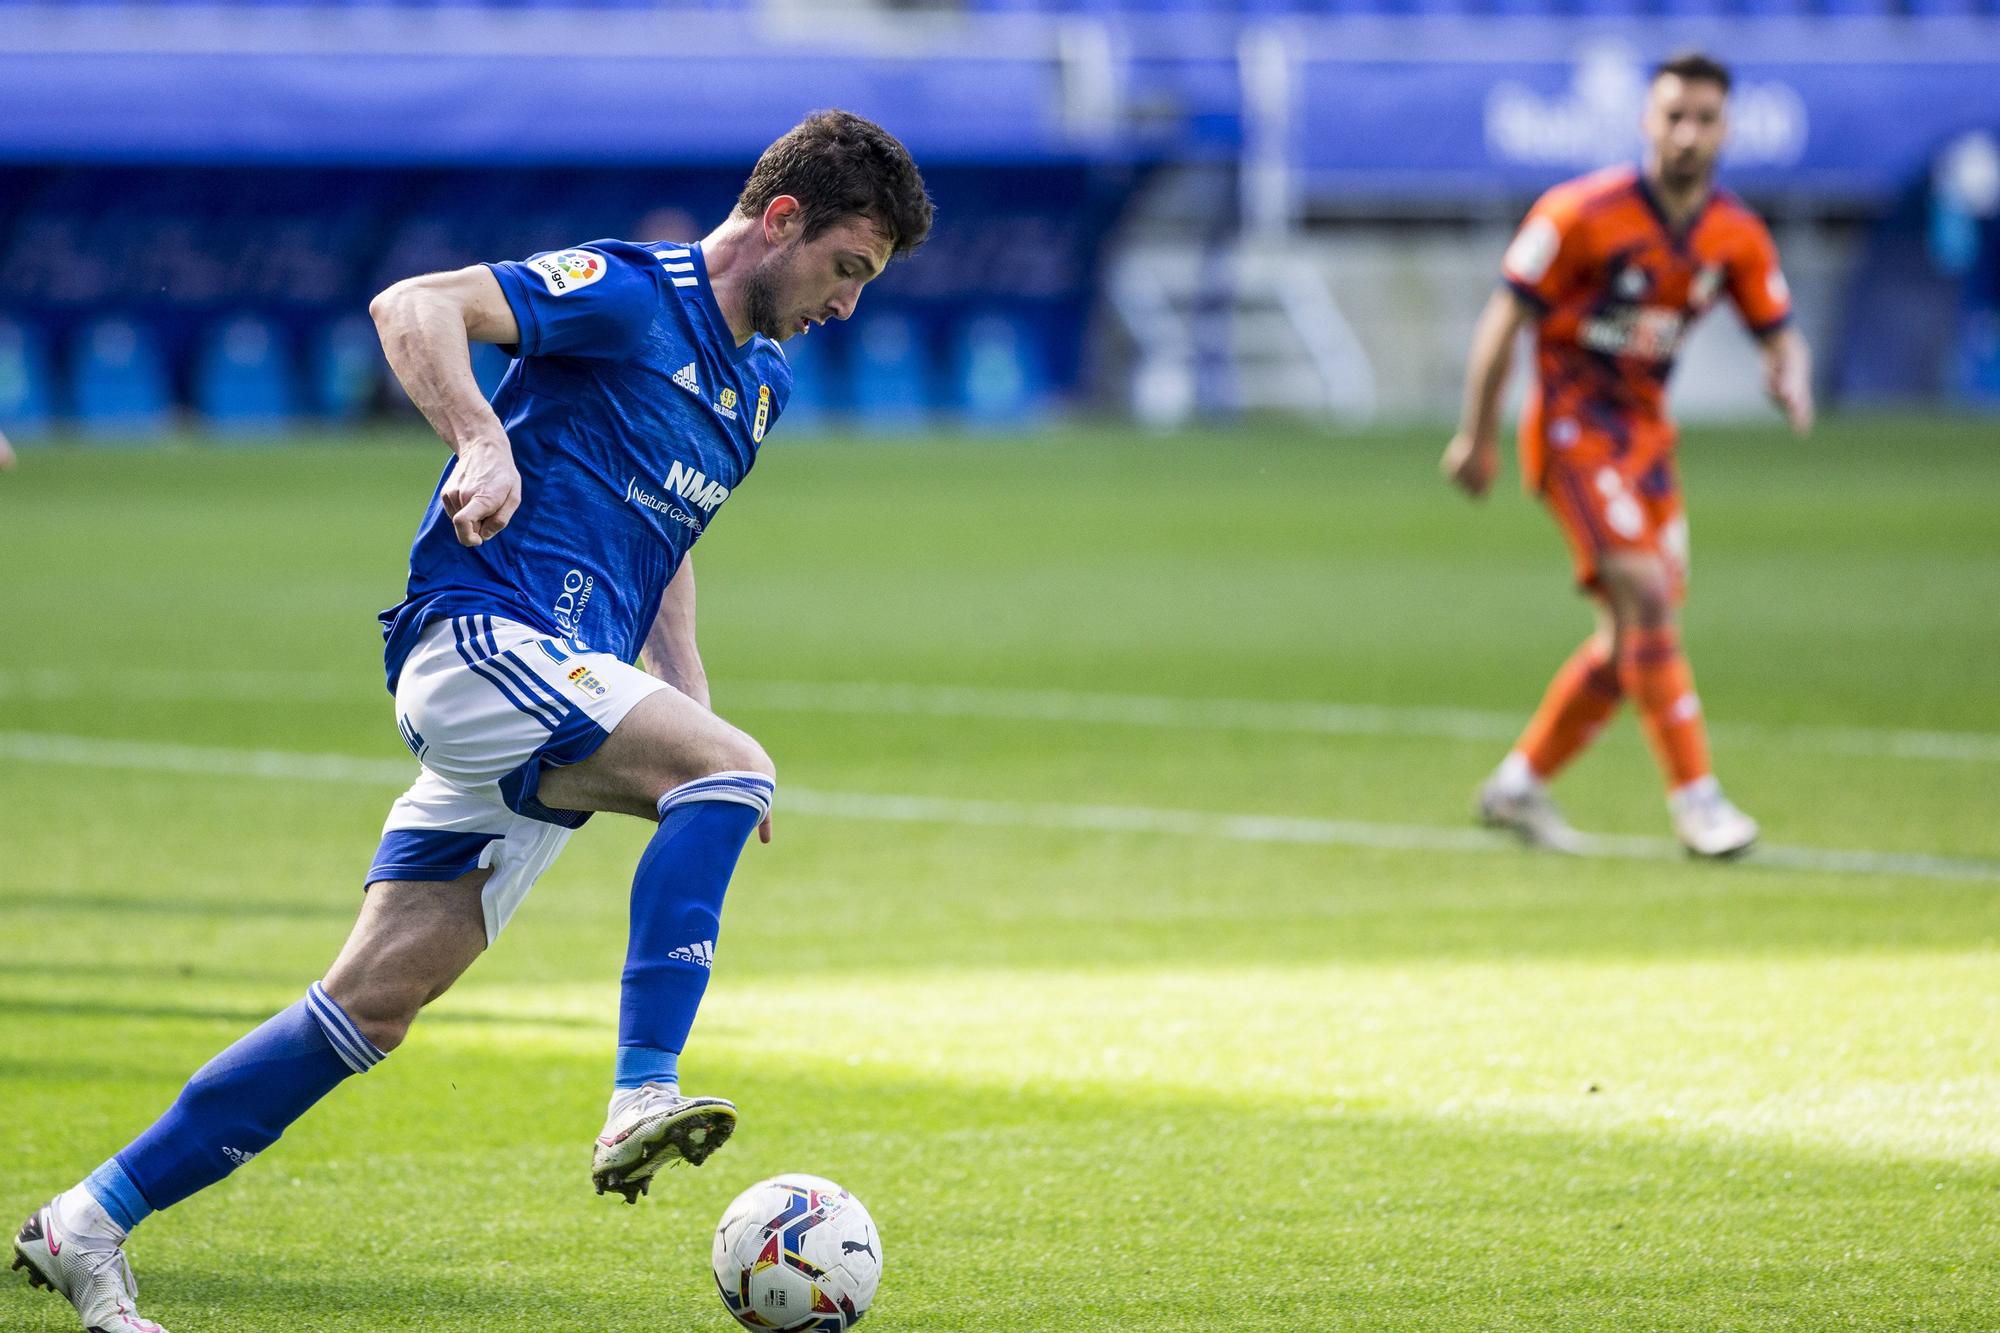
pixel 652 1126
pixel 1514 799
pixel 1707 823
pixel 75 1250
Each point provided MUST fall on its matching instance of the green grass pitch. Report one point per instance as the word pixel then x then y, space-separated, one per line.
pixel 1339 1064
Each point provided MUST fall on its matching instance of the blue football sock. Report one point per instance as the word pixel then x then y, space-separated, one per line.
pixel 646 1064
pixel 676 911
pixel 236 1106
pixel 117 1195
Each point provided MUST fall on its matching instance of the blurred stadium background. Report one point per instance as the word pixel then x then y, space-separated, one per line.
pixel 1172 209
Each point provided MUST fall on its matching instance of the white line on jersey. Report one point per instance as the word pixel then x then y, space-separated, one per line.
pixel 219 762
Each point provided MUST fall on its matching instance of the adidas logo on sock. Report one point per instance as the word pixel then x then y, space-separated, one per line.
pixel 701 954
pixel 237 1155
pixel 685 378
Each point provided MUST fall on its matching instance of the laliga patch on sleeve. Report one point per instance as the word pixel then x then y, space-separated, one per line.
pixel 1529 257
pixel 566 270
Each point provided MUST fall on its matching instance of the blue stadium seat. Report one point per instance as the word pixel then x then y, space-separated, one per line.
pixel 25 386
pixel 243 377
pixel 347 369
pixel 891 379
pixel 118 380
pixel 999 372
pixel 1979 356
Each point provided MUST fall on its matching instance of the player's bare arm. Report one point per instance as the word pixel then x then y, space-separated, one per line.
pixel 1472 459
pixel 670 652
pixel 427 326
pixel 1788 376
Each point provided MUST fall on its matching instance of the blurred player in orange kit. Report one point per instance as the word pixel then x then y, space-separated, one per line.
pixel 1612 269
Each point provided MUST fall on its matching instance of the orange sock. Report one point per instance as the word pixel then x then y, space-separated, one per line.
pixel 1579 701
pixel 1656 675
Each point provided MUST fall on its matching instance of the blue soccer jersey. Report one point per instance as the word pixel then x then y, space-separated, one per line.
pixel 633 415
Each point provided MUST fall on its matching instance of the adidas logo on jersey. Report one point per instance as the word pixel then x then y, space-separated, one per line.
pixel 237 1155
pixel 701 954
pixel 685 378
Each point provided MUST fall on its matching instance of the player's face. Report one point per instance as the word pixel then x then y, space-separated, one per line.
pixel 1685 124
pixel 802 283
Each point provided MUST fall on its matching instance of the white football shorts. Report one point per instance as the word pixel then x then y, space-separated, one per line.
pixel 487 706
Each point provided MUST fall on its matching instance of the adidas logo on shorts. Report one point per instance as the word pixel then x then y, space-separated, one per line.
pixel 685 378
pixel 701 954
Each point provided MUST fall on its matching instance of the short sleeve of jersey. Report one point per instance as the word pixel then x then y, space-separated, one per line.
pixel 1543 260
pixel 594 300
pixel 1756 283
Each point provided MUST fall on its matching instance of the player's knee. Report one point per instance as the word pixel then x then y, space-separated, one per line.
pixel 739 752
pixel 1641 595
pixel 384 1016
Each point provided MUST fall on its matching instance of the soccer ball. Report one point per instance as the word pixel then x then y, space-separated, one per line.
pixel 797 1253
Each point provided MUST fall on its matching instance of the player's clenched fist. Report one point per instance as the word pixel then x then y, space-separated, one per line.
pixel 484 491
pixel 1470 463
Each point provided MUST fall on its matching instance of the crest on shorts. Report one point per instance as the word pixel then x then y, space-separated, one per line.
pixel 586 680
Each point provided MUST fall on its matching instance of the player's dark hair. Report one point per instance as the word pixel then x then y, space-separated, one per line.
pixel 838 165
pixel 1693 67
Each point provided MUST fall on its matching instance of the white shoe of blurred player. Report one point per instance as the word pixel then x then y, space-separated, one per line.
pixel 1514 799
pixel 652 1126
pixel 73 1248
pixel 1707 824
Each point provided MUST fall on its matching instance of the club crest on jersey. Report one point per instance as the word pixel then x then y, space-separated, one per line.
pixel 763 420
pixel 567 270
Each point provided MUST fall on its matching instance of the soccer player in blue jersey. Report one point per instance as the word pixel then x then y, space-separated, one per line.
pixel 553 554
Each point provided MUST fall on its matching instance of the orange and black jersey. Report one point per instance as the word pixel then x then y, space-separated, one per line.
pixel 1616 287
